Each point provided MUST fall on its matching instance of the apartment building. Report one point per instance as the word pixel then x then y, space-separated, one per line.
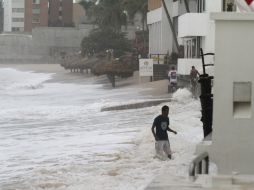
pixel 1 16
pixel 79 14
pixel 60 13
pixel 192 25
pixel 14 15
pixel 160 36
pixel 36 14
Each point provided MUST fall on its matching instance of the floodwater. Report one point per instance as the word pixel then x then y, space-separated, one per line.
pixel 54 136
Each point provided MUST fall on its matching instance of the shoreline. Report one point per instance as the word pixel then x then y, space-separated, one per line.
pixel 156 89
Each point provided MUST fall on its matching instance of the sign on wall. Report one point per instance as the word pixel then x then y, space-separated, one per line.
pixel 146 67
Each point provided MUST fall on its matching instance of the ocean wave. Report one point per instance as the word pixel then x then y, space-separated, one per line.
pixel 12 79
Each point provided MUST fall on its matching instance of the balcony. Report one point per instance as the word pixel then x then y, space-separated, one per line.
pixel 193 24
pixel 154 16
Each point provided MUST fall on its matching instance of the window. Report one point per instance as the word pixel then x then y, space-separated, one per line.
pixel 17 19
pixel 17 10
pixel 36 18
pixel 36 6
pixel 191 47
pixel 36 1
pixel 17 29
pixel 201 6
pixel 229 6
pixel 242 99
pixel 36 11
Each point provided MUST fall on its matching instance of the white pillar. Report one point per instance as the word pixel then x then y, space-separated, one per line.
pixel 233 113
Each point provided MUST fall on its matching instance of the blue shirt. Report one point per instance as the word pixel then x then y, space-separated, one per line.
pixel 161 123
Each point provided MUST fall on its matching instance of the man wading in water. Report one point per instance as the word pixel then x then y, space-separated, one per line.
pixel 161 123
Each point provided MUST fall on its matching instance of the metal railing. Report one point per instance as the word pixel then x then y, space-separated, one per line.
pixel 200 165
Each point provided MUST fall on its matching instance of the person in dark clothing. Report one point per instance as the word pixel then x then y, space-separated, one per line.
pixel 159 130
pixel 194 81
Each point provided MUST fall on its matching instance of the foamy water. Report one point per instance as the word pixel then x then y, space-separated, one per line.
pixel 54 136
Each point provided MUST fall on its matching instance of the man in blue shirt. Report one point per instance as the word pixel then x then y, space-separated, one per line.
pixel 161 124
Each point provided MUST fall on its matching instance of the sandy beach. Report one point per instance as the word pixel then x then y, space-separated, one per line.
pixel 158 89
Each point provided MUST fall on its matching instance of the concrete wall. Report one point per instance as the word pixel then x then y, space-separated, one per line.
pixel 233 112
pixel 44 45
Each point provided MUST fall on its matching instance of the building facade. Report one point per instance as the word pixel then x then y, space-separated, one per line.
pixel 14 15
pixel 192 25
pixel 1 16
pixel 60 13
pixel 160 36
pixel 36 14
pixel 196 30
pixel 79 14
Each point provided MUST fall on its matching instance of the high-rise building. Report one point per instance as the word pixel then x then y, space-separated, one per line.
pixel 36 14
pixel 14 15
pixel 60 13
pixel 1 16
pixel 79 14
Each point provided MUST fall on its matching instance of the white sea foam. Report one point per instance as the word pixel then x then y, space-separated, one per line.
pixel 13 79
pixel 55 137
pixel 182 95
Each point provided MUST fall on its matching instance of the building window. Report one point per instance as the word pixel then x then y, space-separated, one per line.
pixel 36 6
pixel 36 11
pixel 17 19
pixel 17 29
pixel 36 1
pixel 201 6
pixel 229 6
pixel 17 10
pixel 35 18
pixel 191 47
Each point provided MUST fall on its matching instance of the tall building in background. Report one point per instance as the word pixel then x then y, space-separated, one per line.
pixel 14 15
pixel 79 14
pixel 1 16
pixel 60 13
pixel 36 14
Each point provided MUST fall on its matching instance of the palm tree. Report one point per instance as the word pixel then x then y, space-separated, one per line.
pixel 135 6
pixel 107 13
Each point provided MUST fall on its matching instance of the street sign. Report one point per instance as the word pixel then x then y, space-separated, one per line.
pixel 146 67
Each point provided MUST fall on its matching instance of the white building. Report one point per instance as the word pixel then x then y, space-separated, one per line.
pixel 194 29
pixel 160 36
pixel 14 15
